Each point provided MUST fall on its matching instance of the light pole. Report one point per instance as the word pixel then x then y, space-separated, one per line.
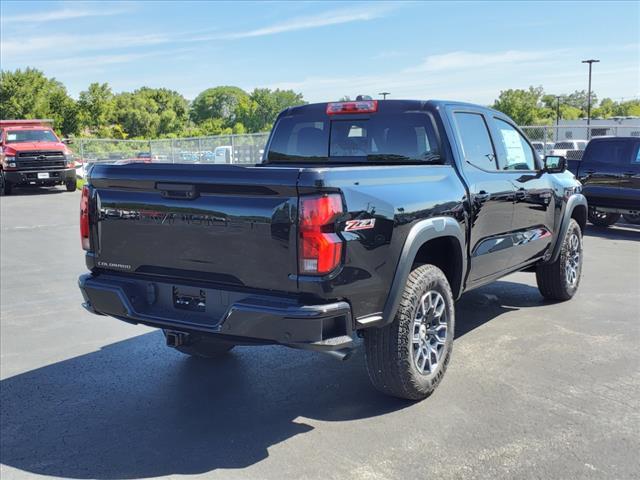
pixel 557 118
pixel 384 95
pixel 590 62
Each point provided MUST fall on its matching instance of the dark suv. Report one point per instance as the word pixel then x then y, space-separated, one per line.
pixel 610 175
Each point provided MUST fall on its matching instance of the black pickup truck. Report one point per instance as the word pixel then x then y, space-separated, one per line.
pixel 366 218
pixel 610 174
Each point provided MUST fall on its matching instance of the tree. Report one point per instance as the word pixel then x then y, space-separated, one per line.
pixel 29 94
pixel 579 99
pixel 523 106
pixel 96 106
pixel 218 102
pixel 259 111
pixel 151 112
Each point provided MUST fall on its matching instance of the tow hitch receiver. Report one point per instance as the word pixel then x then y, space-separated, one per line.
pixel 176 339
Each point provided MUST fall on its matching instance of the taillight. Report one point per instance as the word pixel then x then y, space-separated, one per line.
pixel 84 218
pixel 320 248
pixel 362 106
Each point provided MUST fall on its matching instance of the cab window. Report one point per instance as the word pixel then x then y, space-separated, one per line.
pixel 475 140
pixel 514 152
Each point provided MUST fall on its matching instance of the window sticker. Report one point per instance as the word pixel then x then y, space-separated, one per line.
pixel 11 136
pixel 513 146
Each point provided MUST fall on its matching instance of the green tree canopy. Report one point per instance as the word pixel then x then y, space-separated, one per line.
pixel 218 102
pixel 29 94
pixel 151 112
pixel 258 112
pixel 525 107
pixel 96 106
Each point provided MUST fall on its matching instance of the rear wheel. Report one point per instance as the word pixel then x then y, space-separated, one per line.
pixel 204 347
pixel 602 219
pixel 559 280
pixel 71 185
pixel 408 358
pixel 635 219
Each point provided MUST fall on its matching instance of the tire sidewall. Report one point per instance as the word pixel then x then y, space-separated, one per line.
pixel 430 278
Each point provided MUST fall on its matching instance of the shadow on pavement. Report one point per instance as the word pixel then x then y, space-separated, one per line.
pixel 29 191
pixel 135 409
pixel 615 232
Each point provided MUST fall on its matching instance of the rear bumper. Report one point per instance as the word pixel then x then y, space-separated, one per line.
pixel 30 177
pixel 239 316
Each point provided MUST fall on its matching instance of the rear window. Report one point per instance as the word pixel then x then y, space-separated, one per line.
pixel 385 138
pixel 611 151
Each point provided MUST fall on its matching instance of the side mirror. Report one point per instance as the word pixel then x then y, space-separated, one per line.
pixel 67 141
pixel 555 164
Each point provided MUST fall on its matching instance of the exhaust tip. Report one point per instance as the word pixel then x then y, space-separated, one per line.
pixel 341 355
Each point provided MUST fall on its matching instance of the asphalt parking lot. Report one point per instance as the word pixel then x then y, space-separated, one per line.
pixel 534 390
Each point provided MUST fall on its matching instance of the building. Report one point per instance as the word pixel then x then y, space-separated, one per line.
pixel 614 126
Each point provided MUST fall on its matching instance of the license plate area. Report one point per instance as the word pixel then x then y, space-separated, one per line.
pixel 192 299
pixel 43 175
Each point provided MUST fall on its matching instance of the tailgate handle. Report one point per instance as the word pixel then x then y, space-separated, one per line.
pixel 177 190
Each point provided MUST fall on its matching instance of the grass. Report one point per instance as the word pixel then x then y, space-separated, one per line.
pixel 80 182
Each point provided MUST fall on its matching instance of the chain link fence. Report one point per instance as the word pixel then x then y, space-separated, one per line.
pixel 248 149
pixel 235 149
pixel 571 140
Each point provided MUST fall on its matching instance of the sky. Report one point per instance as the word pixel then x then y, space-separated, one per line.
pixel 467 51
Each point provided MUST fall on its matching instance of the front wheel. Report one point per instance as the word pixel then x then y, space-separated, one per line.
pixel 408 357
pixel 5 187
pixel 635 219
pixel 71 185
pixel 559 280
pixel 602 219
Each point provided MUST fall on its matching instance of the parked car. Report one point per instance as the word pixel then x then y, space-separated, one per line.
pixel 33 155
pixel 561 148
pixel 223 154
pixel 610 174
pixel 366 218
pixel 542 148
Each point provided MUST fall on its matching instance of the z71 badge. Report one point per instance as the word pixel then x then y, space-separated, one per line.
pixel 366 224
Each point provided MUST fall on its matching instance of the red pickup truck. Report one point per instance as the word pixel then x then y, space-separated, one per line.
pixel 33 155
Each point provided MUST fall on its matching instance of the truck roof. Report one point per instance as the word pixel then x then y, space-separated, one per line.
pixel 399 105
pixel 28 123
pixel 609 138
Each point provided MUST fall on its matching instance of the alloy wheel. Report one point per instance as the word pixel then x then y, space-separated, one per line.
pixel 429 332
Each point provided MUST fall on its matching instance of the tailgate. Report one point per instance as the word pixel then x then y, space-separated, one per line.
pixel 219 223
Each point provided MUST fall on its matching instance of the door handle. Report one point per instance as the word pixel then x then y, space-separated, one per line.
pixel 590 172
pixel 177 190
pixel 629 174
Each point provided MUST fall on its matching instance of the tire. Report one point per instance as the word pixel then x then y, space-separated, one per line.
pixel 602 219
pixel 634 219
pixel 5 187
pixel 394 368
pixel 71 186
pixel 204 348
pixel 560 280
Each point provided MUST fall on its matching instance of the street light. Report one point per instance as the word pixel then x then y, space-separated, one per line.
pixel 590 62
pixel 384 95
pixel 557 118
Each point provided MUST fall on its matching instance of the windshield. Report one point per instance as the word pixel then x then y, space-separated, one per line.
pixel 400 137
pixel 16 136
